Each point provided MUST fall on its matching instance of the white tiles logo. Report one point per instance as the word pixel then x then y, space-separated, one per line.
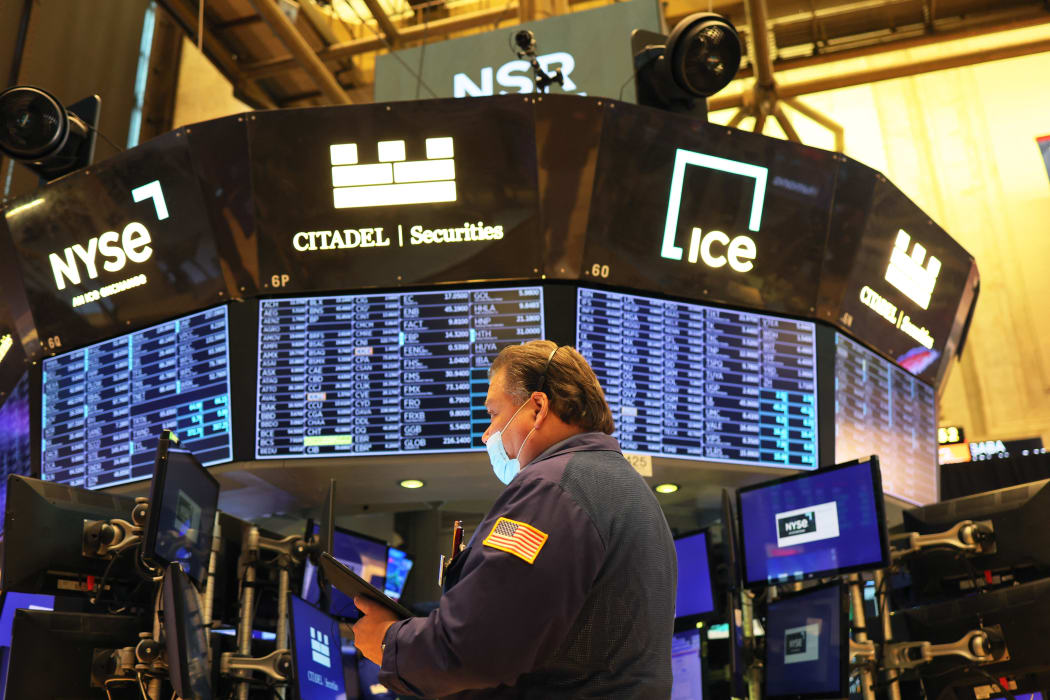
pixel 906 272
pixel 740 250
pixel 802 644
pixel 809 524
pixel 320 651
pixel 394 179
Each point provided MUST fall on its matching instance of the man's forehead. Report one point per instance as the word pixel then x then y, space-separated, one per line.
pixel 496 388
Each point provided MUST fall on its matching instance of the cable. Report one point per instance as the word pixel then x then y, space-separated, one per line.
pixel 105 575
pixel 115 147
pixel 625 83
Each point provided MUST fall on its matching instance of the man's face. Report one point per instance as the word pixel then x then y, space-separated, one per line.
pixel 501 407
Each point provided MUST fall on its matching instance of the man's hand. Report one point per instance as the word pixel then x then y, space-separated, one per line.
pixel 370 630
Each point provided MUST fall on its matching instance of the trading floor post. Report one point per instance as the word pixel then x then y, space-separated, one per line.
pixel 859 622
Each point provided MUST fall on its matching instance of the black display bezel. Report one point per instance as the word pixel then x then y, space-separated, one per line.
pixel 685 622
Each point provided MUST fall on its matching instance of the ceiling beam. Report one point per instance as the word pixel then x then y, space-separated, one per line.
pixel 302 52
pixel 389 30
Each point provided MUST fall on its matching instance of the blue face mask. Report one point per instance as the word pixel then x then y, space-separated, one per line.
pixel 502 465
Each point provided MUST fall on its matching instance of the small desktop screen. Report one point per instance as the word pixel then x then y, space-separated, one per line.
pixel 317 651
pixel 368 677
pixel 807 644
pixel 185 498
pixel 687 681
pixel 397 567
pixel 812 524
pixel 694 576
pixel 363 555
pixel 11 602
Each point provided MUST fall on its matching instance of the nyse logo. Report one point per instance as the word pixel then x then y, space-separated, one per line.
pixel 906 272
pixel 394 179
pixel 514 74
pixel 802 644
pixel 132 244
pixel 715 248
pixel 320 652
pixel 810 524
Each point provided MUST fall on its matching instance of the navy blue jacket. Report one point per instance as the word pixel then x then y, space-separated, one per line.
pixel 591 617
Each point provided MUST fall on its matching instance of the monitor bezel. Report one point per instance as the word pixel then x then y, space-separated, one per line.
pixel 685 622
pixel 294 647
pixel 880 514
pixel 844 627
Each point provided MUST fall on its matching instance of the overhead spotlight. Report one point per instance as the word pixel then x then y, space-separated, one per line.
pixel 412 484
pixel 49 139
pixel 679 71
pixel 665 488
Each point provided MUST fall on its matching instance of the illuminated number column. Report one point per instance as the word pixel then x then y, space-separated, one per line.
pixel 283 384
pixel 641 376
pixel 685 362
pixel 377 373
pixel 157 354
pixel 851 400
pixel 436 360
pixel 599 327
pixel 201 407
pixel 788 387
pixel 498 318
pixel 331 389
pixel 915 427
pixel 108 421
pixel 732 387
pixel 65 412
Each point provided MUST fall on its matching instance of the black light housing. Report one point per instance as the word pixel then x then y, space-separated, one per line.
pixel 679 71
pixel 49 139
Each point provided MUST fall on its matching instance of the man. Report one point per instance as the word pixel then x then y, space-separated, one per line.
pixel 567 588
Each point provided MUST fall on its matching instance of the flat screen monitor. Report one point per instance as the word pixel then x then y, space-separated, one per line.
pixel 186 636
pixel 807 645
pixel 317 653
pixel 397 567
pixel 699 382
pixel 364 555
pixel 396 373
pixel 15 457
pixel 16 601
pixel 368 677
pixel 815 524
pixel 183 501
pixel 694 597
pixel 687 681
pixel 104 405
pixel 882 409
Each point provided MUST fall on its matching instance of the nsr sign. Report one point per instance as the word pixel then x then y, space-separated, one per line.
pixel 514 76
pixel 714 248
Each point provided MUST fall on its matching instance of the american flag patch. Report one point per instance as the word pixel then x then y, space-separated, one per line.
pixel 520 539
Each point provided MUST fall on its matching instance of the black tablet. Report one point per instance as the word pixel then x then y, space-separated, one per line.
pixel 349 583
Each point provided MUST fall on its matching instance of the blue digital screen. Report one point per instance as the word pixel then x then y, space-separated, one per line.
pixel 365 557
pixel 687 681
pixel 20 601
pixel 392 373
pixel 694 576
pixel 15 448
pixel 105 405
pixel 805 644
pixel 1022 696
pixel 317 653
pixel 820 522
pixel 397 567
pixel 698 382
pixel 368 677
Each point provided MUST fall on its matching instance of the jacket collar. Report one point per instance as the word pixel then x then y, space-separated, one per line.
pixel 580 442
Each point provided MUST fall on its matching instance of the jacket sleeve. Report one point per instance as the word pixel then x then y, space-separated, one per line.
pixel 504 614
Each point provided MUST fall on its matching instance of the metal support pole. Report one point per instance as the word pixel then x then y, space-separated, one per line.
pixel 820 118
pixel 737 118
pixel 747 620
pixel 867 680
pixel 785 123
pixel 882 597
pixel 213 563
pixel 249 556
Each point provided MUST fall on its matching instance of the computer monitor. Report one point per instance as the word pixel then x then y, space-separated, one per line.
pixel 694 598
pixel 316 653
pixel 687 681
pixel 821 523
pixel 807 644
pixel 52 653
pixel 366 556
pixel 43 542
pixel 11 602
pixel 368 677
pixel 397 567
pixel 730 543
pixel 1022 543
pixel 186 636
pixel 183 501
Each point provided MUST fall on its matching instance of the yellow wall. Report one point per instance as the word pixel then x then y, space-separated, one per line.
pixel 203 92
pixel 962 144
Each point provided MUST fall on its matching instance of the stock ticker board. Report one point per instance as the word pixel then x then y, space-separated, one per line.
pixel 696 382
pixel 105 405
pixel 15 457
pixel 880 409
pixel 383 373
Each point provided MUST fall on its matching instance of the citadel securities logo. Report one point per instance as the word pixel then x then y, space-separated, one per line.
pixel 393 180
pixel 117 250
pixel 319 648
pixel 739 251
pixel 809 524
pixel 906 272
pixel 802 644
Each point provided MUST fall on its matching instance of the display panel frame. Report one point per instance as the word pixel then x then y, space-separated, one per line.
pixel 684 622
pixel 880 514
